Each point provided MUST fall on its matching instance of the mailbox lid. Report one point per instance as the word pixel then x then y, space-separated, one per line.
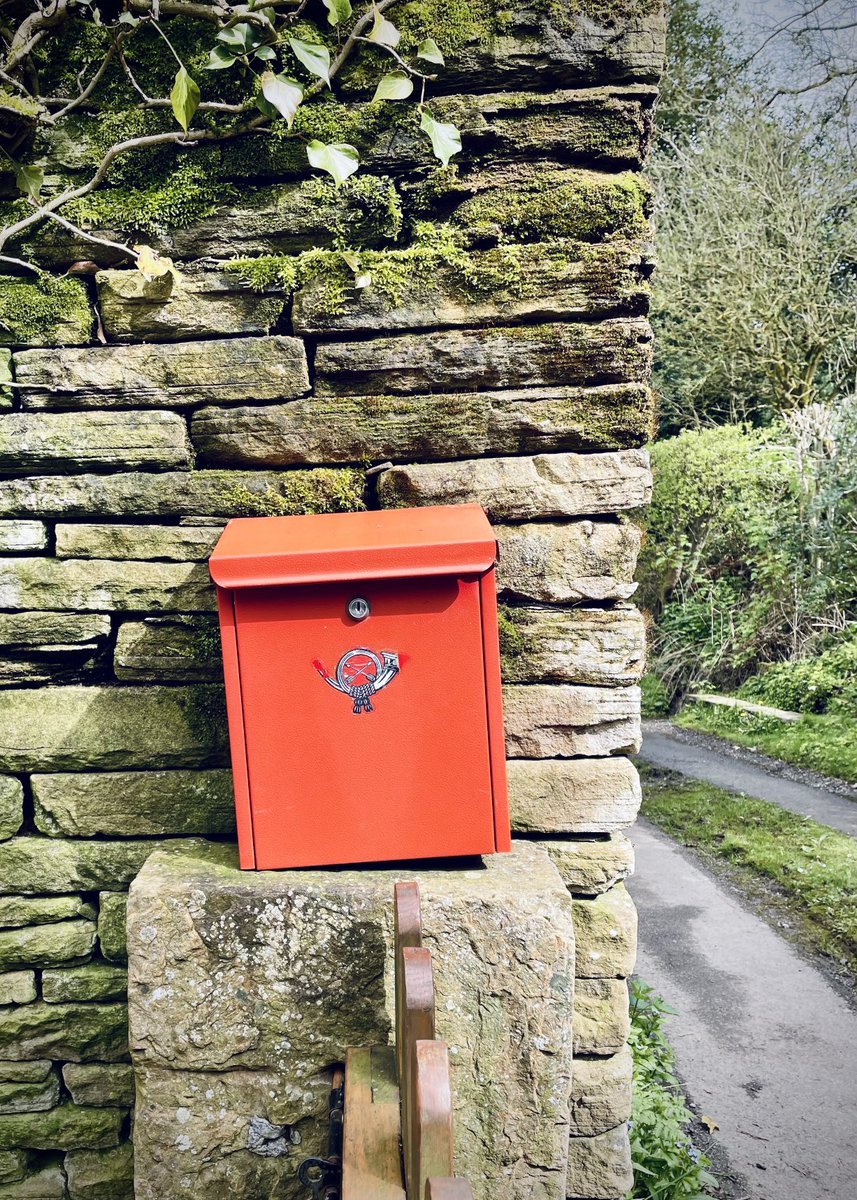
pixel 393 543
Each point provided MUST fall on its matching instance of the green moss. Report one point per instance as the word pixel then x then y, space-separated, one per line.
pixel 452 23
pixel 564 14
pixel 512 641
pixel 298 493
pixel 46 311
pixel 20 105
pixel 204 708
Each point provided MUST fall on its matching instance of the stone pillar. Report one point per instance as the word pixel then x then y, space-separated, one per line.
pixel 245 988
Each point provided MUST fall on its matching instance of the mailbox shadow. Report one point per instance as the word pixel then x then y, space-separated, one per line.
pixel 401 866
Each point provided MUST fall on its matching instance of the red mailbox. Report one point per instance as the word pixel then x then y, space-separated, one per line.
pixel 363 686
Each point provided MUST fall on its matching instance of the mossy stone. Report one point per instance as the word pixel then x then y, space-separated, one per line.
pixel 48 312
pixel 66 1127
pixel 28 910
pixel 103 1084
pixel 112 939
pixel 5 378
pixel 29 1097
pixel 31 1071
pixel 47 945
pixel 11 806
pixel 17 987
pixel 94 981
pixel 101 1174
pixel 70 1032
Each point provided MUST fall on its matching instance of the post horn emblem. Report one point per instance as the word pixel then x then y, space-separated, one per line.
pixel 360 673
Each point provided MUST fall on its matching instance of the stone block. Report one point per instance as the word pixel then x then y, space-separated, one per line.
pixel 547 720
pixel 75 728
pixel 575 354
pixel 599 1168
pixel 101 1174
pixel 173 543
pixel 601 1093
pixel 81 441
pixel 48 647
pixel 13 1166
pixel 32 1071
pixel 29 1097
pixel 570 562
pixel 16 911
pixel 356 429
pixel 17 987
pixel 22 537
pixel 66 1127
pixel 94 981
pixel 602 1020
pixel 134 804
pixel 103 1084
pixel 520 489
pixel 111 926
pixel 590 866
pixel 47 945
pixel 11 806
pixel 70 1032
pixel 202 303
pixel 273 1002
pixel 46 1184
pixel 540 282
pixel 575 795
pixel 6 378
pixel 39 864
pixel 600 646
pixel 184 493
pixel 101 585
pixel 606 928
pixel 163 376
pixel 176 650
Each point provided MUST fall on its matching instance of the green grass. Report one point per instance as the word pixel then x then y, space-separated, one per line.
pixel 813 868
pixel 826 743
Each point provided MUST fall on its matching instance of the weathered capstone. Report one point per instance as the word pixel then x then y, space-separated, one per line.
pixel 588 866
pixel 561 564
pixel 38 864
pixel 22 537
pixel 101 1174
pixel 356 429
pixel 134 804
pixel 201 303
pixel 32 1071
pixel 602 1020
pixel 66 1127
pixel 103 1084
pixel 546 720
pixel 79 441
pixel 614 351
pixel 577 795
pixel 102 585
pixel 71 1032
pixel 111 926
pixel 27 910
pixel 47 1184
pixel 94 981
pixel 574 645
pixel 518 489
pixel 47 945
pixel 17 987
pixel 161 376
pixel 29 1097
pixel 599 1168
pixel 73 728
pixel 11 806
pixel 275 954
pixel 177 649
pixel 173 543
pixel 606 928
pixel 601 1093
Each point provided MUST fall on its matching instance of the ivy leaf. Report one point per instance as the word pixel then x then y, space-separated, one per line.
pixel 339 160
pixel 337 10
pixel 384 32
pixel 445 138
pixel 127 18
pixel 240 38
pixel 219 58
pixel 430 51
pixel 184 98
pixel 352 260
pixel 395 86
pixel 30 181
pixel 285 94
pixel 152 265
pixel 315 58
pixel 264 53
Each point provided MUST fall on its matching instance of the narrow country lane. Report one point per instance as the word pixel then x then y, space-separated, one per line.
pixel 765 1046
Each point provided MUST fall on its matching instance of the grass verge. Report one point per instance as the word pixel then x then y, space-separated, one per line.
pixel 824 743
pixel 667 1166
pixel 811 868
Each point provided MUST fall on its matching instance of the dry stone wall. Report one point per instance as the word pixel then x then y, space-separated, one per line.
pixel 501 356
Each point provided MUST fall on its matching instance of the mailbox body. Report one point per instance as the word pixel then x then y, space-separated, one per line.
pixel 363 740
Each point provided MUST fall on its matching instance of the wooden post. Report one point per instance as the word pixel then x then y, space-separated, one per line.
pixel 432 1129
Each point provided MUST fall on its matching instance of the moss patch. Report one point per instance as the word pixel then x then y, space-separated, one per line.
pixel 44 312
pixel 513 643
pixel 298 493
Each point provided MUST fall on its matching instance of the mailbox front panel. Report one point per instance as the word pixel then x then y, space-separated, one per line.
pixel 366 740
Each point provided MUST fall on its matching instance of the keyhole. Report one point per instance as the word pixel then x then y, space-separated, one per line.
pixel 359 608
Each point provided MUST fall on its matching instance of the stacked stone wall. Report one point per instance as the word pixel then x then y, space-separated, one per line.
pixel 501 355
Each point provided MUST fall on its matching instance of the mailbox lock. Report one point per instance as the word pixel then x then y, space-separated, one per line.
pixel 359 608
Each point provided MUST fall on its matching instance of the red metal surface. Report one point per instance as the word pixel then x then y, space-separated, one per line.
pixel 413 770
